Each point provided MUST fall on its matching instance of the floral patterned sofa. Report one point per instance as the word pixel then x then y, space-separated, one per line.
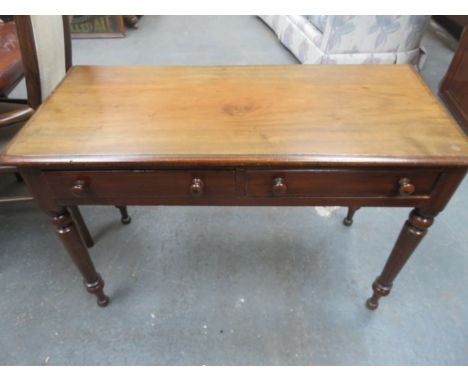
pixel 351 39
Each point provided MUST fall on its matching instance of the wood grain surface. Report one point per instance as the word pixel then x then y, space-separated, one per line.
pixel 240 115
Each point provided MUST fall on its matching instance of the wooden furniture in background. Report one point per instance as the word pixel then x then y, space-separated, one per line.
pixel 41 77
pixel 11 67
pixel 97 26
pixel 132 21
pixel 45 64
pixel 12 115
pixel 453 24
pixel 12 112
pixel 298 135
pixel 45 61
pixel 454 87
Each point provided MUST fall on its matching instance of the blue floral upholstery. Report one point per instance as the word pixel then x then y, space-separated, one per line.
pixel 318 21
pixel 351 39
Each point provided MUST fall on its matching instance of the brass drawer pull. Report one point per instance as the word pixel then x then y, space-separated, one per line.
pixel 197 186
pixel 406 187
pixel 80 187
pixel 279 186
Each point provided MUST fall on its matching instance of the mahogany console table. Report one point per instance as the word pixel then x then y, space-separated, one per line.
pixel 241 136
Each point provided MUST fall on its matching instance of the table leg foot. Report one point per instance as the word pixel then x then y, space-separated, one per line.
pixel 97 288
pixel 126 219
pixel 372 303
pixel 348 220
pixel 411 235
pixel 379 291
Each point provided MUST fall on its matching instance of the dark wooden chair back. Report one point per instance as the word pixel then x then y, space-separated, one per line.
pixel 45 44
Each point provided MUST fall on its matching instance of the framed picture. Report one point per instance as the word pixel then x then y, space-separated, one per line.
pixel 97 26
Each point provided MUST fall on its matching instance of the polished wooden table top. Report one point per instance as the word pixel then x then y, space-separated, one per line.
pixel 240 115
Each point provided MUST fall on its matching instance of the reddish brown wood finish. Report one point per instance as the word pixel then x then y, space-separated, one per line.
pixel 11 68
pixel 67 40
pixel 81 225
pixel 46 184
pixel 14 112
pixel 30 61
pixel 279 187
pixel 211 146
pixel 406 187
pixel 68 233
pixel 331 182
pixel 98 185
pixel 412 233
pixel 269 116
pixel 454 87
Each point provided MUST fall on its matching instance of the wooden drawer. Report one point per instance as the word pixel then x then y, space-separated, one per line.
pixel 94 185
pixel 340 183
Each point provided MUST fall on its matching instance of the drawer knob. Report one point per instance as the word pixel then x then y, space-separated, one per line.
pixel 279 186
pixel 80 187
pixel 197 186
pixel 406 187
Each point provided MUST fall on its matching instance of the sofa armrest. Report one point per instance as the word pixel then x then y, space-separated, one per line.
pixel 372 34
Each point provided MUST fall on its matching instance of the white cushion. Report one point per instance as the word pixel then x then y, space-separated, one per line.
pixel 50 48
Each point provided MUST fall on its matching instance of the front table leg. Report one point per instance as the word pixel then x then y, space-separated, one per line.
pixel 412 233
pixel 71 239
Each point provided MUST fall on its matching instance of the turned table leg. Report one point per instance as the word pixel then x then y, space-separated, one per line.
pixel 348 220
pixel 68 233
pixel 411 235
pixel 81 225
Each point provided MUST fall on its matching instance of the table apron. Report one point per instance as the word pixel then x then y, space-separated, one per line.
pixel 400 187
pixel 419 201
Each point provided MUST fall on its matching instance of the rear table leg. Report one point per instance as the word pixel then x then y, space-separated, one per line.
pixel 81 225
pixel 124 213
pixel 348 220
